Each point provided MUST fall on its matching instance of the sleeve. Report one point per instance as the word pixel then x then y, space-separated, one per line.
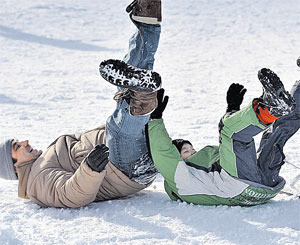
pixel 53 186
pixel 165 155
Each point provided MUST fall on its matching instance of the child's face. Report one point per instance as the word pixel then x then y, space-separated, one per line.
pixel 186 151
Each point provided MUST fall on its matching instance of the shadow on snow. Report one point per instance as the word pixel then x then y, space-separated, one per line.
pixel 15 34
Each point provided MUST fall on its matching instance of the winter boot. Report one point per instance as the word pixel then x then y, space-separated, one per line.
pixel 140 103
pixel 124 75
pixel 145 11
pixel 275 97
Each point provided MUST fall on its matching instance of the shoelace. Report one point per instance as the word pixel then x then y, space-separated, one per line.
pixel 122 94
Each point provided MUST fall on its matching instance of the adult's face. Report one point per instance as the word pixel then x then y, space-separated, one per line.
pixel 22 152
pixel 186 151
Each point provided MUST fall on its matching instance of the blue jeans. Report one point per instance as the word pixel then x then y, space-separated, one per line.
pixel 125 134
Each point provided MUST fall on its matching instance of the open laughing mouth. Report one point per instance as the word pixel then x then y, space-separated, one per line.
pixel 33 151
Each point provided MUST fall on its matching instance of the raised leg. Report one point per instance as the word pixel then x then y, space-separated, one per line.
pixel 143 45
pixel 270 152
pixel 125 134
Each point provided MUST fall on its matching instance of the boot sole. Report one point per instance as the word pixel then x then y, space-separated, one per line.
pixel 283 102
pixel 123 75
pixel 270 81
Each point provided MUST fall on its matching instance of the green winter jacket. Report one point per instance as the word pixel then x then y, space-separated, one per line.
pixel 201 179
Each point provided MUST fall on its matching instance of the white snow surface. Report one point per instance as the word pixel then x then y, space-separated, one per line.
pixel 50 85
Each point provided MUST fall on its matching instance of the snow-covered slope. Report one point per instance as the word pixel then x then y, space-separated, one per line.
pixel 50 85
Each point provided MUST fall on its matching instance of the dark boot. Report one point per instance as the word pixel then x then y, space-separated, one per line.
pixel 145 11
pixel 276 98
pixel 140 103
pixel 123 75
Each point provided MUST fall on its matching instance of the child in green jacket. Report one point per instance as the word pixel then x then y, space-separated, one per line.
pixel 231 173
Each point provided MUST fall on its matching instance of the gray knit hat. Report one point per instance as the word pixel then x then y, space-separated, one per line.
pixel 7 170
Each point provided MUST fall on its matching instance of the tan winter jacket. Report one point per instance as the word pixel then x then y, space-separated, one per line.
pixel 60 177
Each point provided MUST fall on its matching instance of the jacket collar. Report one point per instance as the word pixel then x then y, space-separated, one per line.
pixel 23 172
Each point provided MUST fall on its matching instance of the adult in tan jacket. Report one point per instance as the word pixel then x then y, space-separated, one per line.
pixel 61 177
pixel 76 170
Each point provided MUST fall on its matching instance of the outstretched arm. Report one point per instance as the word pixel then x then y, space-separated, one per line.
pixel 165 155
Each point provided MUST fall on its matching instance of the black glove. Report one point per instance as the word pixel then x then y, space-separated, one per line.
pixel 162 103
pixel 98 158
pixel 235 96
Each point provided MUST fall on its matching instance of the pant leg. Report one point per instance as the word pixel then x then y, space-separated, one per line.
pixel 125 138
pixel 143 45
pixel 125 134
pixel 237 147
pixel 270 152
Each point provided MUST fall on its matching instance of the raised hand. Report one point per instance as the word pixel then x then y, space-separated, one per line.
pixel 235 96
pixel 161 106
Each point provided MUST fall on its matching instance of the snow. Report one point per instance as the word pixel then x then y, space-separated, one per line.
pixel 50 85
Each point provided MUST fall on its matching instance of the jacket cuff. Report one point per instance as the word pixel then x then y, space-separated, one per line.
pixel 89 171
pixel 154 122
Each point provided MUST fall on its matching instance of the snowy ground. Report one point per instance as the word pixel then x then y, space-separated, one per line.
pixel 49 85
